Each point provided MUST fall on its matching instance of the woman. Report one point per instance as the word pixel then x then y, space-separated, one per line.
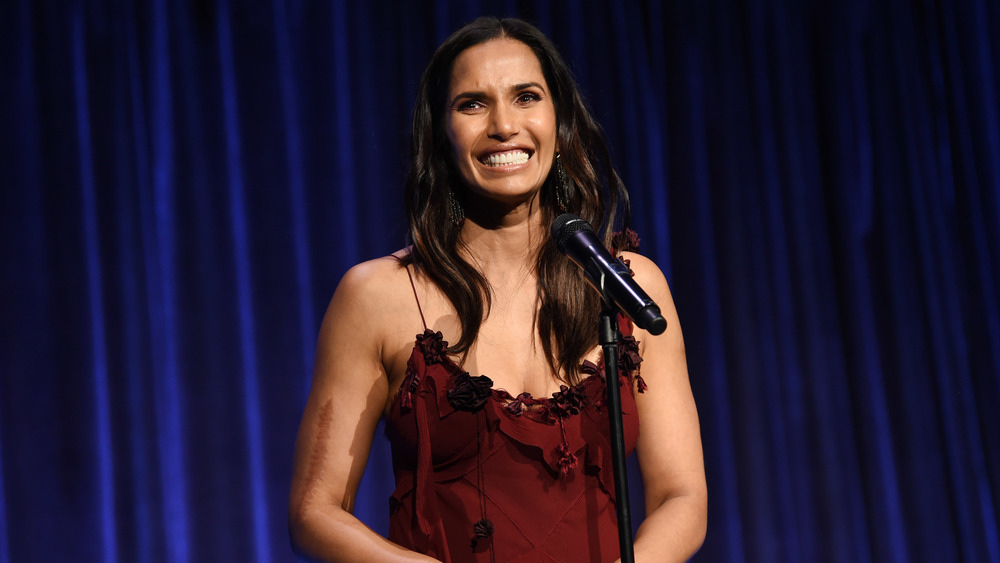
pixel 516 464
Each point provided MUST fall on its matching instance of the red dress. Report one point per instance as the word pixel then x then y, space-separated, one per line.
pixel 484 476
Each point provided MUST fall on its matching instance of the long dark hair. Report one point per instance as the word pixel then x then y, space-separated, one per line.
pixel 567 315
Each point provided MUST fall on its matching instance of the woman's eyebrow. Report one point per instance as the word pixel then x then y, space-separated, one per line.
pixel 525 85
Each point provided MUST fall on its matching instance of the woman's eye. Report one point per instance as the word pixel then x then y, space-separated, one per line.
pixel 470 105
pixel 528 97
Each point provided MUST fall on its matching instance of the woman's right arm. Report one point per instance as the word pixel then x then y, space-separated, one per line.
pixel 347 397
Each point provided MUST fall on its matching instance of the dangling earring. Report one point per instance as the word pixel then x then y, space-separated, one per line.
pixel 562 185
pixel 455 211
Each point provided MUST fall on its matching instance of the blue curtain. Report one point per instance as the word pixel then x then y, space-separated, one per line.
pixel 183 183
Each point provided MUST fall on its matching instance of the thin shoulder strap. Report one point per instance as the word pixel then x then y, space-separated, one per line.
pixel 415 298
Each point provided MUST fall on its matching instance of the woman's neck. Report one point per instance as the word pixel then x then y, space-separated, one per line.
pixel 505 244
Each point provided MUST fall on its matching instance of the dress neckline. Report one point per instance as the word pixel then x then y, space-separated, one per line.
pixel 433 348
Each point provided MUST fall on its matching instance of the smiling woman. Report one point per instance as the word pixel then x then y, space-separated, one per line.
pixel 501 125
pixel 516 464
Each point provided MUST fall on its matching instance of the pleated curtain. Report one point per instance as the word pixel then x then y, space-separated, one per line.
pixel 183 183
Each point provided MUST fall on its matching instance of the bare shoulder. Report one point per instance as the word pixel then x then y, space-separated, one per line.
pixel 369 297
pixel 647 273
pixel 378 267
pixel 651 279
pixel 368 284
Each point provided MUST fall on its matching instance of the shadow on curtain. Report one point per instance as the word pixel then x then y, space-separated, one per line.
pixel 182 184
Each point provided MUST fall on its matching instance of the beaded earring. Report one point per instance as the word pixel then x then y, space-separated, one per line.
pixel 562 185
pixel 455 211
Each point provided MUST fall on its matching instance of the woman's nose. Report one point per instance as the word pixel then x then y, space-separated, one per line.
pixel 503 123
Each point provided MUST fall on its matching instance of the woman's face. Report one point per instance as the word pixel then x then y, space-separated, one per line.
pixel 501 120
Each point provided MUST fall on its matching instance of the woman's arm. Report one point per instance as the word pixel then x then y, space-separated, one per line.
pixel 669 447
pixel 348 395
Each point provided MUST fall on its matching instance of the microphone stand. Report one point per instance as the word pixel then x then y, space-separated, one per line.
pixel 609 335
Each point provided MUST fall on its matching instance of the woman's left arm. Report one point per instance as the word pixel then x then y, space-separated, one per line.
pixel 669 447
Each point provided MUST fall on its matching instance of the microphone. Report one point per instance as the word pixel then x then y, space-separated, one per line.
pixel 576 239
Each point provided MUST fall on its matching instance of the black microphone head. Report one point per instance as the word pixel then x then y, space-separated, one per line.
pixel 565 226
pixel 650 319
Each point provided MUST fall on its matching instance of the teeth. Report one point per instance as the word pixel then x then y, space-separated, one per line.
pixel 505 158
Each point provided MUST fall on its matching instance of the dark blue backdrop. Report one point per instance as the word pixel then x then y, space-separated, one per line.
pixel 182 184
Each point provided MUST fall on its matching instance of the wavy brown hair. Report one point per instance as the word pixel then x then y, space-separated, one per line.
pixel 567 313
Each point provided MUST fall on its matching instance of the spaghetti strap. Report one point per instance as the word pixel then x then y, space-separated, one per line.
pixel 415 298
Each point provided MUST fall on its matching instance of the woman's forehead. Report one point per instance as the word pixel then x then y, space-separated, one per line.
pixel 500 61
